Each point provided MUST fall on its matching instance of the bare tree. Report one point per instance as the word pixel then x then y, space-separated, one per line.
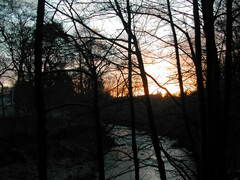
pixel 200 89
pixel 39 99
pixel 228 81
pixel 152 126
pixel 17 40
pixel 228 60
pixel 130 90
pixel 180 79
pixel 94 62
pixel 2 100
pixel 215 121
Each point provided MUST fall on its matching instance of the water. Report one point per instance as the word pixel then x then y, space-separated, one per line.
pixel 119 163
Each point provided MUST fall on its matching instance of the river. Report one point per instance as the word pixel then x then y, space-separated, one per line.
pixel 119 163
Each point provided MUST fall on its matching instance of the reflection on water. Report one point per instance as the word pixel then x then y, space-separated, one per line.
pixel 119 163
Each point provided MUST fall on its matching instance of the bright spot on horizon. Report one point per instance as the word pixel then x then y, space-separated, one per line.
pixel 161 71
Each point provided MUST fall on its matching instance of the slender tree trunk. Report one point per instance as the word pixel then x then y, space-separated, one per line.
pixel 215 128
pixel 200 90
pixel 228 74
pixel 81 79
pixel 180 80
pixel 130 90
pixel 39 99
pixel 228 61
pixel 99 130
pixel 2 100
pixel 152 124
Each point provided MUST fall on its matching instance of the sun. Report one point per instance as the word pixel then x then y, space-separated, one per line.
pixel 172 88
pixel 161 72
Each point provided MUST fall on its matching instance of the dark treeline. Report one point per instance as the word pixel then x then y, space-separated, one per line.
pixel 68 67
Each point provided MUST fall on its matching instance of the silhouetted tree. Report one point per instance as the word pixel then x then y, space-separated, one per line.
pixel 228 81
pixel 130 91
pixel 93 61
pixel 200 89
pixel 2 100
pixel 228 63
pixel 180 80
pixel 17 35
pixel 215 121
pixel 39 98
pixel 152 126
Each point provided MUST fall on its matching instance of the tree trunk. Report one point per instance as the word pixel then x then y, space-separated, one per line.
pixel 39 100
pixel 130 90
pixel 99 130
pixel 2 100
pixel 180 80
pixel 200 90
pixel 215 124
pixel 228 74
pixel 152 124
pixel 81 89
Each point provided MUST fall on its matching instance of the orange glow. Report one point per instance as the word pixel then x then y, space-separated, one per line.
pixel 172 88
pixel 160 72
